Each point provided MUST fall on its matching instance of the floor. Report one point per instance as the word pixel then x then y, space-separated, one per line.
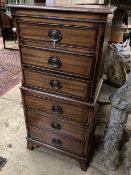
pixel 40 161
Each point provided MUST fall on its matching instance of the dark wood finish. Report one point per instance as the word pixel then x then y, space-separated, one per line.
pixel 87 36
pixel 71 110
pixel 69 63
pixel 57 84
pixel 55 125
pixel 65 49
pixel 30 145
pixel 36 143
pixel 93 23
pixel 57 141
pixel 68 7
pixel 61 48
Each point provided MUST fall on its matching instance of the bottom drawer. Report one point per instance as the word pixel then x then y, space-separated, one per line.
pixel 57 141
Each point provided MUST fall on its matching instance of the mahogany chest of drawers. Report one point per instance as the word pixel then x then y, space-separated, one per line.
pixel 61 48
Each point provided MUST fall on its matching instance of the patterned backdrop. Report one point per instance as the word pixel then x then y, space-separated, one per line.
pixel 10 70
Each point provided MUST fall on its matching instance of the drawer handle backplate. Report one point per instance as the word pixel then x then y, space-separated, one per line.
pixel 55 84
pixel 57 109
pixel 57 142
pixel 56 125
pixel 55 35
pixel 54 61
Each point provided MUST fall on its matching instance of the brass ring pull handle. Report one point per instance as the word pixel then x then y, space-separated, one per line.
pixel 57 142
pixel 56 125
pixel 55 35
pixel 55 84
pixel 54 61
pixel 57 109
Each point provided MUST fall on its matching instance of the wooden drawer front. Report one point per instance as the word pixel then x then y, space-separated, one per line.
pixel 41 120
pixel 57 141
pixel 59 109
pixel 64 34
pixel 58 61
pixel 57 84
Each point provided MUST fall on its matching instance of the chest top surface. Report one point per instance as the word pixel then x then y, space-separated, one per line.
pixel 67 6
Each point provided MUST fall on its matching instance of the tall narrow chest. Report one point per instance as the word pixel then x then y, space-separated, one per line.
pixel 61 57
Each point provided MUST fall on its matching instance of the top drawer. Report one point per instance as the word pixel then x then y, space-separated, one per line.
pixel 82 36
